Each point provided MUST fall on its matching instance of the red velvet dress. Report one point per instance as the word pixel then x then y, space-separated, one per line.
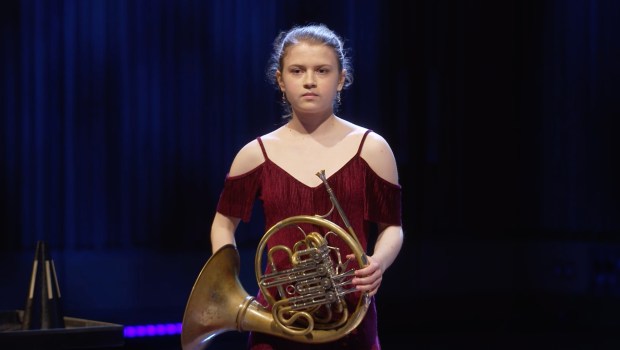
pixel 364 197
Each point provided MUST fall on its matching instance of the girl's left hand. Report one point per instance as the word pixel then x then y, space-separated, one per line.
pixel 368 279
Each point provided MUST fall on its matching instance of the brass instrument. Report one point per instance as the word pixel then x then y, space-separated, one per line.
pixel 310 307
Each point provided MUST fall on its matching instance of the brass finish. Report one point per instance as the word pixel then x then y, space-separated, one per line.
pixel 310 306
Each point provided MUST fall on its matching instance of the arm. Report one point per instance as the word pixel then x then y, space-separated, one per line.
pixel 223 227
pixel 381 159
pixel 223 231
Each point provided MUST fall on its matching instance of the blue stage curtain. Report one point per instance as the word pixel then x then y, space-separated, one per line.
pixel 580 85
pixel 120 117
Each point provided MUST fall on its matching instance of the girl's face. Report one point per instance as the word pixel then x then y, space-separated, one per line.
pixel 310 77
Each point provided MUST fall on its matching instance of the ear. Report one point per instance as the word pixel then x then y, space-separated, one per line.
pixel 341 80
pixel 279 80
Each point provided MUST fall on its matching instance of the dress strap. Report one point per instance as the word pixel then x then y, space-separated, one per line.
pixel 262 147
pixel 359 150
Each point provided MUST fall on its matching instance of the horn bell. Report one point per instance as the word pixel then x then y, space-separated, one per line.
pixel 216 298
pixel 218 303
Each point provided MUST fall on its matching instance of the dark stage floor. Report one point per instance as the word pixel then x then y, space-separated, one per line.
pixel 434 341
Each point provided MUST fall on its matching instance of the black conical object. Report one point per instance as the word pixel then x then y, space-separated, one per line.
pixel 43 309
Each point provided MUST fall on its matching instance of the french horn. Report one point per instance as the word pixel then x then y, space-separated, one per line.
pixel 308 302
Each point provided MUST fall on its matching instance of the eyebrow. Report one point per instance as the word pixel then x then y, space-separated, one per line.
pixel 315 66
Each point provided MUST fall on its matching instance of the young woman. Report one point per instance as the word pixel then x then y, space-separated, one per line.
pixel 310 67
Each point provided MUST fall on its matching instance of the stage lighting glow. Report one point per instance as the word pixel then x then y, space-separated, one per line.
pixel 152 330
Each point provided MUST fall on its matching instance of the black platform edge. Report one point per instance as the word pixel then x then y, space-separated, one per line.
pixel 77 334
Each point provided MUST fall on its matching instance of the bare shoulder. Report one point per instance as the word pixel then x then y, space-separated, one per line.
pixel 249 157
pixel 378 154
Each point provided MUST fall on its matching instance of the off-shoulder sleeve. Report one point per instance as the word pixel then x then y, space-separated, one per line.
pixel 239 194
pixel 383 203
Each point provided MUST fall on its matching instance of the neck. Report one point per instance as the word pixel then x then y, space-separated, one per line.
pixel 305 124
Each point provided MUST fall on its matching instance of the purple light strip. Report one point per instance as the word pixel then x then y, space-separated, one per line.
pixel 152 330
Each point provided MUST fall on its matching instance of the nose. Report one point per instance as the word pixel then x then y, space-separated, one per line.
pixel 309 80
